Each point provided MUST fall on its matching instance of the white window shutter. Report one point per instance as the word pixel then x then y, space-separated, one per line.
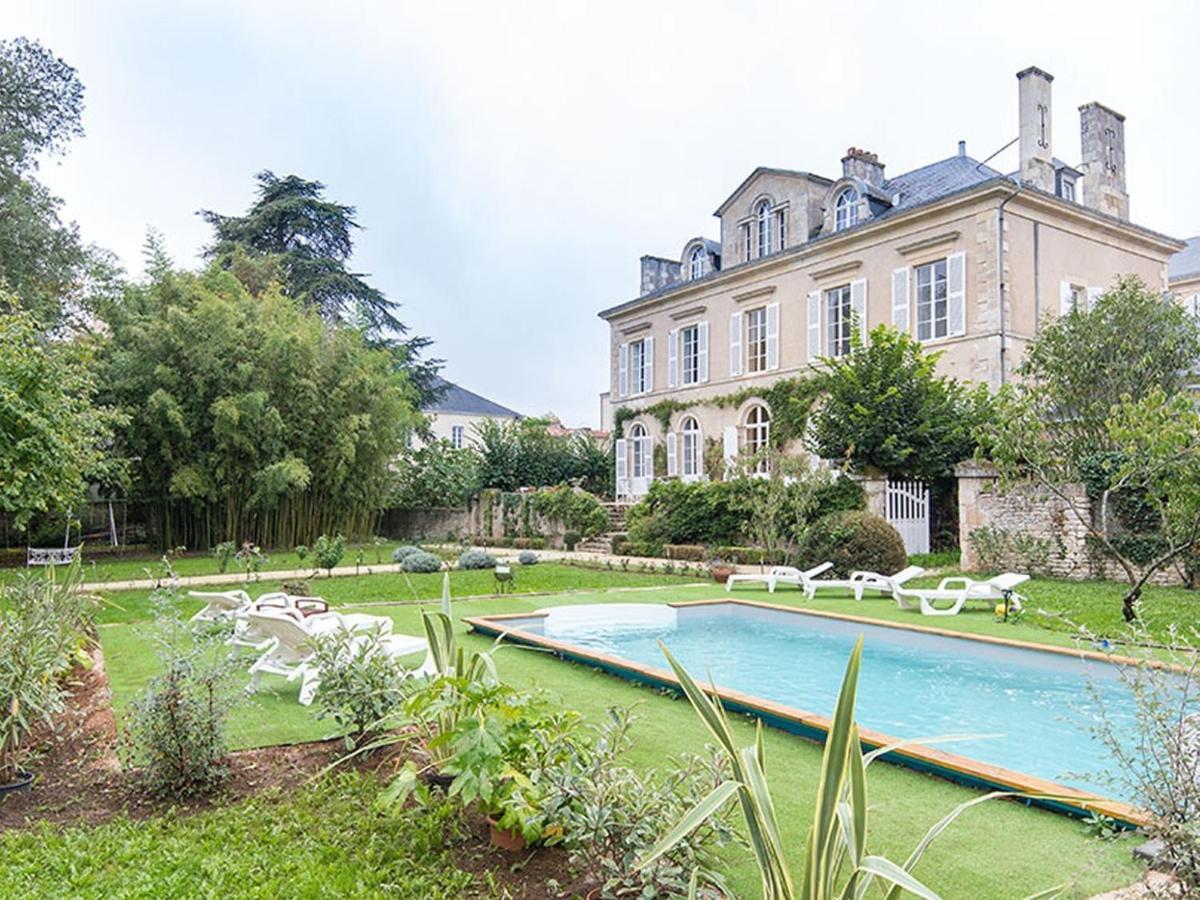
pixel 858 305
pixel 956 294
pixel 1066 296
pixel 622 454
pixel 623 370
pixel 900 319
pixel 672 465
pixel 729 443
pixel 648 364
pixel 814 325
pixel 648 457
pixel 1093 294
pixel 672 358
pixel 735 344
pixel 772 335
pixel 702 351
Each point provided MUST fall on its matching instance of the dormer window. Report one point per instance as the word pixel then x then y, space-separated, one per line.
pixel 1066 187
pixel 846 210
pixel 696 264
pixel 764 228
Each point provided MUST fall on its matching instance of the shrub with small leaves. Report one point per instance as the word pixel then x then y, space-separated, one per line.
pixel 223 553
pixel 421 562
pixel 301 553
pixel 476 559
pixel 360 684
pixel 527 558
pixel 402 553
pixel 328 552
pixel 570 539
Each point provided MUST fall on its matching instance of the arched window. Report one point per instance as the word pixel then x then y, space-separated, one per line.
pixel 691 467
pixel 846 210
pixel 764 228
pixel 758 434
pixel 637 444
pixel 696 266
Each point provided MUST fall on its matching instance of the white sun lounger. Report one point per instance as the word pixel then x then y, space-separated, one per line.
pixel 220 605
pixel 866 581
pixel 291 647
pixel 957 590
pixel 780 575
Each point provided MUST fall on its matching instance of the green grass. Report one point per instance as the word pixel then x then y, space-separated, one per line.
pixel 997 850
pixel 323 841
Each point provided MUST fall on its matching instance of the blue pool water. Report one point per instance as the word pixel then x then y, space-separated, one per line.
pixel 1034 707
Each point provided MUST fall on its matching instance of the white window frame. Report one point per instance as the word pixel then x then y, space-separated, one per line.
pixel 845 209
pixel 839 320
pixel 757 433
pixel 641 366
pixel 745 229
pixel 696 264
pixel 1066 188
pixel 781 228
pixel 689 354
pixel 637 436
pixel 691 457
pixel 928 321
pixel 763 215
pixel 756 340
pixel 457 433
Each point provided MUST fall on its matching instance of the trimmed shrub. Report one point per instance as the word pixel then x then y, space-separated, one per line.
pixel 400 554
pixel 839 495
pixel 689 552
pixel 750 556
pixel 476 559
pixel 854 540
pixel 570 539
pixel 421 562
pixel 529 543
pixel 619 540
pixel 527 558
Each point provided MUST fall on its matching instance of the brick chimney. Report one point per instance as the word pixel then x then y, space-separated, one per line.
pixel 1033 90
pixel 863 165
pixel 1102 139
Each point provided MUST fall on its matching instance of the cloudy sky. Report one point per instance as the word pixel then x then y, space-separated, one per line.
pixel 511 161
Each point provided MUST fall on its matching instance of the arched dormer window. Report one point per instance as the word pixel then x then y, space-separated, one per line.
pixel 846 210
pixel 696 264
pixel 764 227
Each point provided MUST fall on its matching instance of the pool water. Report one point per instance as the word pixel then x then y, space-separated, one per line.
pixel 1030 711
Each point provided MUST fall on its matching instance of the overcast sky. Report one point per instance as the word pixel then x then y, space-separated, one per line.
pixel 511 161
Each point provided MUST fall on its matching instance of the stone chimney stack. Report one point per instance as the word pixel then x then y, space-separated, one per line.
pixel 863 165
pixel 1033 88
pixel 1102 138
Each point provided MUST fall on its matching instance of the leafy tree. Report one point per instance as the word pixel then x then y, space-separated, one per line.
pixel 525 454
pixel 247 416
pixel 307 241
pixel 885 407
pixel 436 474
pixel 1103 401
pixel 42 259
pixel 51 431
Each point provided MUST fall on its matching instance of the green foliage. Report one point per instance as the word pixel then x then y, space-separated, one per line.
pixel 251 558
pixel 246 415
pixel 999 548
pixel 527 558
pixel 421 562
pixel 476 559
pixel 328 552
pixel 223 554
pixel 577 510
pixel 360 684
pixel 404 551
pixel 176 729
pixel 885 407
pixel 525 454
pixel 854 541
pixel 571 538
pixel 53 430
pixel 436 474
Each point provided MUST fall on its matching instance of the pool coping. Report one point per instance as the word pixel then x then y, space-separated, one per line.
pixel 951 766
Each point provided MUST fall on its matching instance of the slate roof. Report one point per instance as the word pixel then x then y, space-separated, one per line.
pixel 457 399
pixel 1185 263
pixel 936 180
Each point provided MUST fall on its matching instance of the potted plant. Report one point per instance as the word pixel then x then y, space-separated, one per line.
pixel 720 570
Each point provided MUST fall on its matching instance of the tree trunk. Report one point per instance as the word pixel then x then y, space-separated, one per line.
pixel 1129 610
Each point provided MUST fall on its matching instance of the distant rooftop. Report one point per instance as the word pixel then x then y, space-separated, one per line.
pixel 1185 263
pixel 457 399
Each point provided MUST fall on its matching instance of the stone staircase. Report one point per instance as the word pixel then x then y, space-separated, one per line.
pixel 602 543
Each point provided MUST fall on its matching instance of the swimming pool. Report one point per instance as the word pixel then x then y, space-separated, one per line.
pixel 1030 707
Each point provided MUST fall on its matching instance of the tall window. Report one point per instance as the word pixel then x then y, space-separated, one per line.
pixel 637 441
pixel 456 436
pixel 780 228
pixel 756 340
pixel 764 228
pixel 639 362
pixel 696 268
pixel 931 301
pixel 1066 188
pixel 758 433
pixel 838 320
pixel 846 210
pixel 691 448
pixel 689 346
pixel 745 228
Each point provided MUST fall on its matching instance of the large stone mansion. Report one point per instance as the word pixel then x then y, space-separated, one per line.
pixel 804 258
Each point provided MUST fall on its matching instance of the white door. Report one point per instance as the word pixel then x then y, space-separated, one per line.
pixel 641 461
pixel 908 511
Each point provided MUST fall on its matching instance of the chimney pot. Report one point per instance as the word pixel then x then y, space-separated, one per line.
pixel 962 148
pixel 863 165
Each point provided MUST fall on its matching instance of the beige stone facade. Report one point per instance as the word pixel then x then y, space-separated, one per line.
pixel 920 252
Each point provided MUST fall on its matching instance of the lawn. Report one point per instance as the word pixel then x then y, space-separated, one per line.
pixel 997 850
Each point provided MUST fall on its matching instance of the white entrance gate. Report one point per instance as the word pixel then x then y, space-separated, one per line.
pixel 908 511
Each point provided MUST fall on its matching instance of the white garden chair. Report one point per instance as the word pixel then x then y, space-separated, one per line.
pixel 220 605
pixel 866 581
pixel 958 590
pixel 781 575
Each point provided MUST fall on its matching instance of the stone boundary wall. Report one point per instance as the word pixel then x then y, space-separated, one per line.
pixel 1042 534
pixel 488 515
pixel 438 523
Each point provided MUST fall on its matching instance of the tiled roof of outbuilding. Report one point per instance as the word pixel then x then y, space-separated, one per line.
pixel 457 399
pixel 1185 263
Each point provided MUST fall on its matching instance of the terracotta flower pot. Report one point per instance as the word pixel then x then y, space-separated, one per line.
pixel 505 838
pixel 721 574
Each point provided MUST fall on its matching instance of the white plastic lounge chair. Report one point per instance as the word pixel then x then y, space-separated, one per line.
pixel 865 581
pixel 780 575
pixel 291 649
pixel 957 590
pixel 220 605
pixel 247 634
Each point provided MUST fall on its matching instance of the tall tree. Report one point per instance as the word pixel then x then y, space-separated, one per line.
pixel 311 239
pixel 42 259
